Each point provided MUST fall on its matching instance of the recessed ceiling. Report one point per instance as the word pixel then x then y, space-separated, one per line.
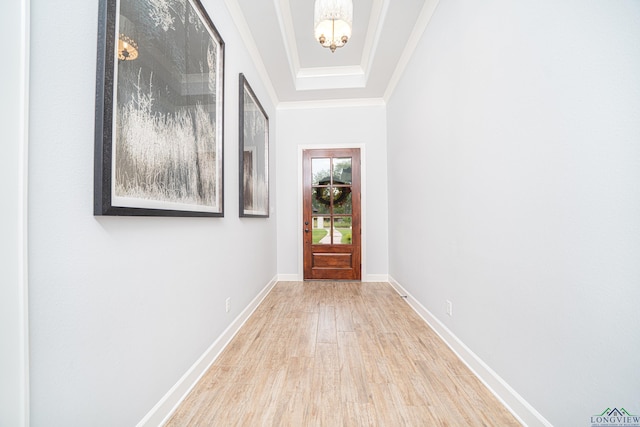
pixel 300 69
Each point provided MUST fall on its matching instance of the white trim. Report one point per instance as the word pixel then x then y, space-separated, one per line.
pixel 245 33
pixel 332 103
pixel 317 78
pixel 290 278
pixel 416 34
pixel 520 408
pixel 14 295
pixel 363 200
pixel 283 13
pixel 374 33
pixel 25 50
pixel 369 278
pixel 345 70
pixel 163 410
pixel 376 278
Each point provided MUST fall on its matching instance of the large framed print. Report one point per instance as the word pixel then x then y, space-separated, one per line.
pixel 254 154
pixel 159 110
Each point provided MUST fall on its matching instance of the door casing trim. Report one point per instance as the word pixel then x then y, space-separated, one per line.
pixel 14 291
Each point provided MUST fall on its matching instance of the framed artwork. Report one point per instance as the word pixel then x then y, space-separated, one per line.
pixel 159 110
pixel 254 154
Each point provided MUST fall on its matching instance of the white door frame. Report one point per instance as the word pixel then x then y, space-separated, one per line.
pixel 14 106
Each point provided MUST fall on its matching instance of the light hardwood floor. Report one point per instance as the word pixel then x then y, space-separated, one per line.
pixel 338 354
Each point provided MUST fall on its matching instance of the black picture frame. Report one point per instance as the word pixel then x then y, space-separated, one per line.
pixel 253 154
pixel 159 132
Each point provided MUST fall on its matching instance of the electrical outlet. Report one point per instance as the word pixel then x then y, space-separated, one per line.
pixel 449 308
pixel 227 305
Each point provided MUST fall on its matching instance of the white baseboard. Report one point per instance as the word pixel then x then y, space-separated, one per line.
pixel 161 412
pixel 290 278
pixel 520 408
pixel 376 278
pixel 366 278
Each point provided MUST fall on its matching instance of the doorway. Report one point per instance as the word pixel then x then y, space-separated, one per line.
pixel 331 214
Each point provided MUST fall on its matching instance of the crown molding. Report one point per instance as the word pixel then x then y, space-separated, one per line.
pixel 323 78
pixel 374 32
pixel 245 33
pixel 330 78
pixel 283 13
pixel 333 103
pixel 416 34
pixel 349 70
pixel 318 78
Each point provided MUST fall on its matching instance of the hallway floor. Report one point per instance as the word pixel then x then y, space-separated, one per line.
pixel 338 354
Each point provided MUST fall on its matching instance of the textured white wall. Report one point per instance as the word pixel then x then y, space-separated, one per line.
pixel 121 307
pixel 332 126
pixel 514 171
pixel 13 308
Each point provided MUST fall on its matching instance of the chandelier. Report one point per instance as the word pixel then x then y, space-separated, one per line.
pixel 332 22
pixel 127 45
pixel 127 48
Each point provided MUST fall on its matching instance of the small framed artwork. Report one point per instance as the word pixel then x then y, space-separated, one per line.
pixel 159 110
pixel 254 154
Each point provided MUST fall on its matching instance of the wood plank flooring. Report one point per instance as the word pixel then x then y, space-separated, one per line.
pixel 338 354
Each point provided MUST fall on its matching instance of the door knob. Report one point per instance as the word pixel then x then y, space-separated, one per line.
pixel 306 230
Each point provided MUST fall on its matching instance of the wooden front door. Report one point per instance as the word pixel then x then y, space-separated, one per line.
pixel 331 214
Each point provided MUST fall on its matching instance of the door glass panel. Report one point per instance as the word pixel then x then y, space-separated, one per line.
pixel 342 171
pixel 342 202
pixel 321 200
pixel 342 227
pixel 331 196
pixel 320 171
pixel 321 230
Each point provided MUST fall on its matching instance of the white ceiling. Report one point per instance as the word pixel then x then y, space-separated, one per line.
pixel 279 34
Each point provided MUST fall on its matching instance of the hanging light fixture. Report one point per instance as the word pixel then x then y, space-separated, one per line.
pixel 127 46
pixel 332 22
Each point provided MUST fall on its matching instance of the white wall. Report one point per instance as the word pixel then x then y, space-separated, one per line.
pixel 121 307
pixel 13 290
pixel 329 124
pixel 514 171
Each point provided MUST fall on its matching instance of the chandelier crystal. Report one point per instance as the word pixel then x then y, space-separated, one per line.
pixel 332 22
